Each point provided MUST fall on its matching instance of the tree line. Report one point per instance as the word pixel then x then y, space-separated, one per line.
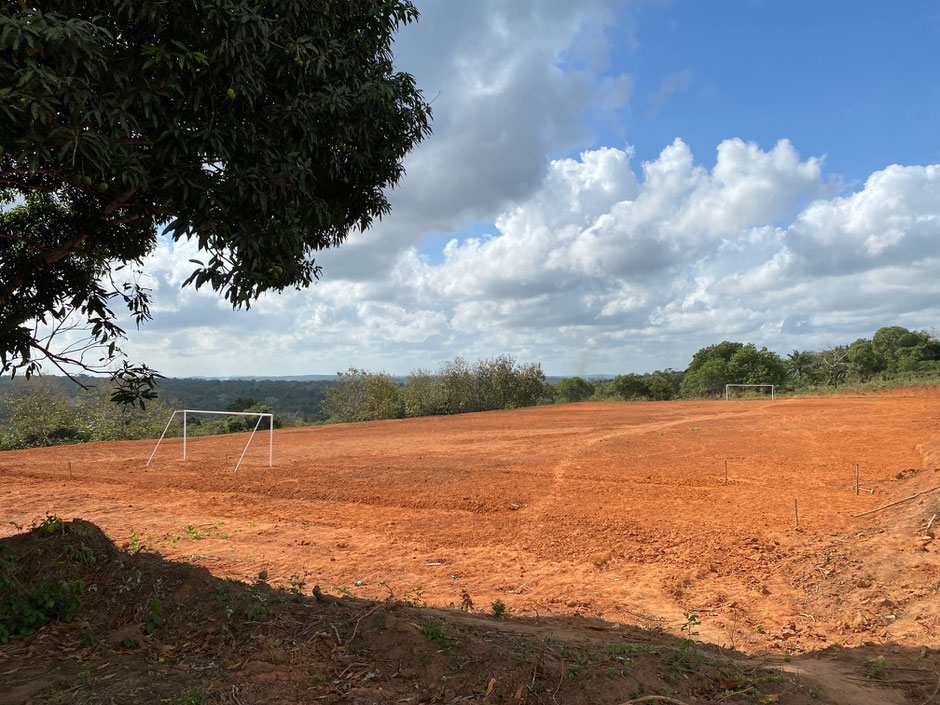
pixel 457 387
pixel 50 410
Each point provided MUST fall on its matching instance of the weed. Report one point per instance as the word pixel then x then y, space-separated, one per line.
pixel 22 613
pixel 319 677
pixel 691 621
pixel 129 642
pixel 574 670
pixel 816 692
pixel 256 611
pixel 154 619
pixel 342 591
pixel 52 524
pixel 132 582
pixel 297 584
pixel 433 630
pixel 194 533
pixel 89 638
pixel 499 608
pixel 414 598
pixel 877 667
pixel 134 543
pixel 192 696
pixel 759 628
pixel 84 679
pixel 80 553
pixel 624 649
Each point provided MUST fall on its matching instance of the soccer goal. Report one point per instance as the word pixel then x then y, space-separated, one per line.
pixel 185 415
pixel 728 389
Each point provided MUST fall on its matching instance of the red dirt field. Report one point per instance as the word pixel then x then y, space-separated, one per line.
pixel 618 510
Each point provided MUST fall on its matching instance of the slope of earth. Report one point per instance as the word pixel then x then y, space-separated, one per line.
pixel 613 510
pixel 83 622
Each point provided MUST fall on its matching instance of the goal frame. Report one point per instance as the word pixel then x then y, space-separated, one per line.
pixel 185 413
pixel 773 395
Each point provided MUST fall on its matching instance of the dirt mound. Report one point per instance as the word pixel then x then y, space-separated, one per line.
pixel 147 630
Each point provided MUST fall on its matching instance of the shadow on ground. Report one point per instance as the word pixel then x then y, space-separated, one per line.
pixel 82 621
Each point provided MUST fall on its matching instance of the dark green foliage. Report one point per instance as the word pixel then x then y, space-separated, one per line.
pixel 573 389
pixel 731 363
pixel 240 404
pixel 631 386
pixel 264 131
pixel 22 612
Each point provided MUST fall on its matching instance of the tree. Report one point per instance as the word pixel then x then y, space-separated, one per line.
pixel 863 360
pixel 357 395
pixel 631 386
pixel 264 131
pixel 731 363
pixel 240 404
pixel 572 389
pixel 800 366
pixel 833 360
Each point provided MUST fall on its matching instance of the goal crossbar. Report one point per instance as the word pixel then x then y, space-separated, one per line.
pixel 772 391
pixel 186 412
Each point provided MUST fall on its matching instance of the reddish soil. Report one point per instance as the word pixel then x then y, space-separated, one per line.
pixel 617 510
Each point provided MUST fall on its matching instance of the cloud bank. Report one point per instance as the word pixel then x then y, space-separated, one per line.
pixel 602 266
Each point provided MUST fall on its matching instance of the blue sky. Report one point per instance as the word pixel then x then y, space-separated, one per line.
pixel 856 81
pixel 611 185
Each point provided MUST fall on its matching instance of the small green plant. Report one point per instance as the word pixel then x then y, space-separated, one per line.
pixel 193 533
pixel 499 608
pixel 414 598
pixel 433 630
pixel 319 677
pixel 129 642
pixel 192 696
pixel 52 524
pixel 154 619
pixel 626 649
pixel 89 638
pixel 689 629
pixel 816 692
pixel 759 628
pixel 297 584
pixel 341 590
pixel 84 679
pixel 877 667
pixel 574 670
pixel 134 543
pixel 80 553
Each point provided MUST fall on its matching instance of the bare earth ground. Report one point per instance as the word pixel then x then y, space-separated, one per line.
pixel 611 510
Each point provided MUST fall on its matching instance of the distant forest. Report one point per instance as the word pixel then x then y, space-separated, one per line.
pixel 293 399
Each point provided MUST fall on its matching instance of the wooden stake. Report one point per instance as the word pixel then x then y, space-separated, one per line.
pixel 796 514
pixel 726 472
pixel 856 478
pixel 70 469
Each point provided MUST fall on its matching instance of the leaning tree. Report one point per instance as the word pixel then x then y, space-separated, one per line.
pixel 265 131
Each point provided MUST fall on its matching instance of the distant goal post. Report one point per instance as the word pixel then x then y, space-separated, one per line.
pixel 729 386
pixel 185 416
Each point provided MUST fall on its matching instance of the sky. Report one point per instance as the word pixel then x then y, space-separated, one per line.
pixel 611 186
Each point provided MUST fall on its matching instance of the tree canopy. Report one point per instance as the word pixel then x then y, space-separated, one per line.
pixel 265 131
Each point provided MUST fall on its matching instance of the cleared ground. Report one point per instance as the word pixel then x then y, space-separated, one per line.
pixel 613 509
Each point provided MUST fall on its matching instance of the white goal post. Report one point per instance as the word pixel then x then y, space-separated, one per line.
pixel 186 412
pixel 728 386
